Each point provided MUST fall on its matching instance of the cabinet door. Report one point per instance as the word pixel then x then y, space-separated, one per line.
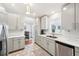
pixel 3 18
pixel 77 16
pixel 76 51
pixel 20 24
pixel 10 44
pixel 44 23
pixel 51 47
pixel 16 44
pixel 38 40
pixel 68 17
pixel 41 40
pixel 21 42
pixel 12 21
pixel 44 43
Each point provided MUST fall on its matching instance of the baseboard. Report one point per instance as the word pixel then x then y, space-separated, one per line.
pixel 16 50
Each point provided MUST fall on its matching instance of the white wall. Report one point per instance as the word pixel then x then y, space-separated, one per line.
pixel 3 18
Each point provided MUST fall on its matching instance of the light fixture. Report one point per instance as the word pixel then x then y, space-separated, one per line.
pixel 64 8
pixel 27 12
pixel 13 4
pixel 31 4
pixel 53 12
pixel 28 9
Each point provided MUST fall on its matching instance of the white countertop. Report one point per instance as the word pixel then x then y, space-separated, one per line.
pixel 15 34
pixel 71 39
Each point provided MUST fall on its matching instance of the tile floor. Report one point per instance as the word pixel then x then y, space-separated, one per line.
pixel 30 50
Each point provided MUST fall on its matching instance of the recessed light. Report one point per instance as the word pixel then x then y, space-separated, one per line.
pixel 13 4
pixel 53 12
pixel 27 12
pixel 64 8
pixel 31 4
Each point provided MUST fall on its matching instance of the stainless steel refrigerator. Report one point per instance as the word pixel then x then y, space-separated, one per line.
pixel 3 40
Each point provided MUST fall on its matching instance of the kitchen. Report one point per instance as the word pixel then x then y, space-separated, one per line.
pixel 48 27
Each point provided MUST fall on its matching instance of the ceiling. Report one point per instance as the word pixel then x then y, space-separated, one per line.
pixel 38 9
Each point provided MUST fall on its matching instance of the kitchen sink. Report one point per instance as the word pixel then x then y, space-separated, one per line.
pixel 52 36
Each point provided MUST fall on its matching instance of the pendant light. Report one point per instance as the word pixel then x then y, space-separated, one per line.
pixel 28 9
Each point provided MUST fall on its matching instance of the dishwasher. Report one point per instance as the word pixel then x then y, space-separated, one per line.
pixel 63 49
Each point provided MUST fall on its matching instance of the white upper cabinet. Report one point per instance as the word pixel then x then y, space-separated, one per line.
pixel 44 22
pixel 68 23
pixel 3 18
pixel 12 21
pixel 20 23
pixel 77 16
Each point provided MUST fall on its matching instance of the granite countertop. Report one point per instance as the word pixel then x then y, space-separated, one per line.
pixel 71 39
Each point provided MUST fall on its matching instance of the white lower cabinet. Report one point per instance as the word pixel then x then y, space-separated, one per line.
pixel 15 43
pixel 39 40
pixel 44 43
pixel 10 44
pixel 51 47
pixel 36 39
pixel 21 42
pixel 76 51
pixel 47 44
